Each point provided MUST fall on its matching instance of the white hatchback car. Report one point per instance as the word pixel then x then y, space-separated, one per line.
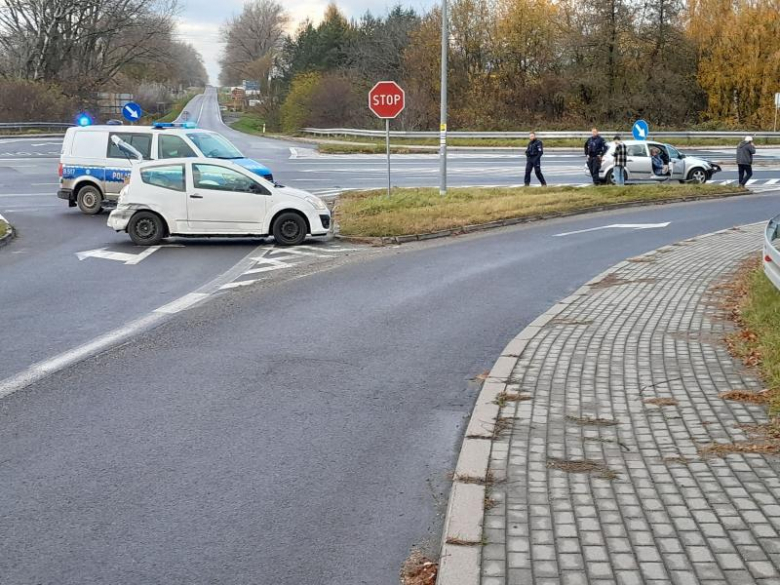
pixel 207 197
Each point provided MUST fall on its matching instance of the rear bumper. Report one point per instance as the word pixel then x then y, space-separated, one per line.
pixel 119 218
pixel 66 194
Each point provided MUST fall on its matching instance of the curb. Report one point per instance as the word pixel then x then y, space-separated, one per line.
pixel 9 234
pixel 396 240
pixel 461 550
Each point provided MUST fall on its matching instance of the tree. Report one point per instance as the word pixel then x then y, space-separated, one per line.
pixel 253 41
pixel 81 43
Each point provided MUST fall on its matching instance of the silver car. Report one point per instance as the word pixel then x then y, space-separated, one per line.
pixel 639 166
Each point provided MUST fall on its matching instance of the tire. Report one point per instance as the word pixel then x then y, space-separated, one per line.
pixel 90 200
pixel 146 228
pixel 698 176
pixel 289 229
pixel 609 179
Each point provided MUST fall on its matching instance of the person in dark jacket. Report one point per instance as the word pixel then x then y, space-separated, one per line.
pixel 595 147
pixel 621 158
pixel 533 160
pixel 745 152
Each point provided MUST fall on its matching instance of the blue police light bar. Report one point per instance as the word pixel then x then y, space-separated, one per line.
pixel 161 125
pixel 84 119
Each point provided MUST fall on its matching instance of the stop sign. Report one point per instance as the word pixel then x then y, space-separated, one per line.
pixel 386 99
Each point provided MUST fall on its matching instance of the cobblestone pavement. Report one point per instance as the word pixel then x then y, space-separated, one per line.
pixel 594 484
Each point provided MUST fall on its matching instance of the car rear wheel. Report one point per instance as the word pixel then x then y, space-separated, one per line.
pixel 89 200
pixel 289 229
pixel 146 229
pixel 610 178
pixel 697 176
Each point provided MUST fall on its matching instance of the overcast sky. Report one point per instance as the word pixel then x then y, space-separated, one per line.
pixel 200 20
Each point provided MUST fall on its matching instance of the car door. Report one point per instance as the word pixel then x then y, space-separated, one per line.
pixel 224 200
pixel 638 162
pixel 676 163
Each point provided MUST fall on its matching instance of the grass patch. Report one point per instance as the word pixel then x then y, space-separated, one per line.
pixel 757 312
pixel 176 108
pixel 249 123
pixel 378 148
pixel 420 211
pixel 3 228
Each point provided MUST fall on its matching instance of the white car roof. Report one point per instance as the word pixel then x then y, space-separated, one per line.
pixel 136 129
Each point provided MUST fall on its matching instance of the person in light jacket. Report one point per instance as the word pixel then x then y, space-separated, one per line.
pixel 533 160
pixel 745 152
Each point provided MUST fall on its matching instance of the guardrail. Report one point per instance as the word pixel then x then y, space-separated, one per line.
pixel 354 132
pixel 771 253
pixel 22 126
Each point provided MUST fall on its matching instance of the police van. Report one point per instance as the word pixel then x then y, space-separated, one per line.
pixel 93 168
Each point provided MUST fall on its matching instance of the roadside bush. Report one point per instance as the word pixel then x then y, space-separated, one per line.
pixel 324 101
pixel 29 101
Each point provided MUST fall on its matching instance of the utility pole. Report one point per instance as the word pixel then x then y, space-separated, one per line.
pixel 445 44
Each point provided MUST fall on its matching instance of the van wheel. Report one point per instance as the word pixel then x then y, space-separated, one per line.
pixel 146 229
pixel 90 200
pixel 289 229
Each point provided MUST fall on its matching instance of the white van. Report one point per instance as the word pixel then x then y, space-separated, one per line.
pixel 93 169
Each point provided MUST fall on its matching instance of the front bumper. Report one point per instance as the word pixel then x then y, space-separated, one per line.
pixel 320 223
pixel 119 218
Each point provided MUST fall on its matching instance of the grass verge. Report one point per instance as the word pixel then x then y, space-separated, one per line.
pixel 176 108
pixel 420 211
pixel 249 123
pixel 3 228
pixel 375 145
pixel 757 312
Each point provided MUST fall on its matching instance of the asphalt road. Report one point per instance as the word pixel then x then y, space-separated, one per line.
pixel 296 430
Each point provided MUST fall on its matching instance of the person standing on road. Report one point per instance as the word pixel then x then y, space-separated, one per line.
pixel 595 147
pixel 533 160
pixel 621 158
pixel 745 152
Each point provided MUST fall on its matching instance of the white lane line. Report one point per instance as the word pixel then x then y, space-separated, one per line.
pixel 182 303
pixel 262 269
pixel 772 181
pixel 293 152
pixel 9 195
pixel 41 369
pixel 630 226
pixel 127 258
pixel 751 182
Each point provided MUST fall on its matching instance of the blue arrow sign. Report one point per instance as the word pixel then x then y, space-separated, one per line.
pixel 132 111
pixel 640 130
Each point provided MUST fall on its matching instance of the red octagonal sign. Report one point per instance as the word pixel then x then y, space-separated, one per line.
pixel 386 99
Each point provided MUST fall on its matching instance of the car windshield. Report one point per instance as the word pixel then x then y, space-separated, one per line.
pixel 214 145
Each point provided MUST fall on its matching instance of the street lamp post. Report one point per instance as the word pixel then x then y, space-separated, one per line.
pixel 445 38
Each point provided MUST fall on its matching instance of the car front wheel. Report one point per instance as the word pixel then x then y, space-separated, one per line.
pixel 289 229
pixel 89 200
pixel 146 229
pixel 697 176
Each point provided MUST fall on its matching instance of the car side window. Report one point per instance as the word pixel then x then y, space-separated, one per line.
pixel 219 178
pixel 673 152
pixel 174 147
pixel 636 150
pixel 168 177
pixel 141 142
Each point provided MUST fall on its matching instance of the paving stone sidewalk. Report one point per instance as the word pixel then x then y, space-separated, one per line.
pixel 596 485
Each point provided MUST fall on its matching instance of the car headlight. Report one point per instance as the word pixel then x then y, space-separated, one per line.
pixel 317 203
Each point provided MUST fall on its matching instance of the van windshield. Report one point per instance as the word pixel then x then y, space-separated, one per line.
pixel 214 145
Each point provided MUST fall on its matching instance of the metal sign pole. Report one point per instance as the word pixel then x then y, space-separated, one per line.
pixel 387 143
pixel 445 44
pixel 775 118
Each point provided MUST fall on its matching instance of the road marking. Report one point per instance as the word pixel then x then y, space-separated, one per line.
pixel 772 181
pixel 128 259
pixel 181 303
pixel 631 226
pixel 40 370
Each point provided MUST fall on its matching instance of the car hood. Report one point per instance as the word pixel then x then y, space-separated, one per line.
pixel 253 165
pixel 297 193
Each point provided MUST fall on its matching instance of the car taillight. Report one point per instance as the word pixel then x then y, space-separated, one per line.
pixel 59 170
